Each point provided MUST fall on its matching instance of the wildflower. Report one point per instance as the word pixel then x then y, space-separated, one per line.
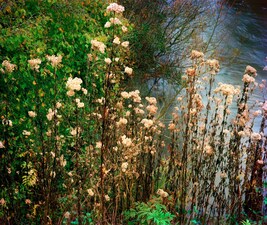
pixel 191 72
pixel 250 69
pixel 171 127
pixel 84 91
pixel 58 105
pixel 147 123
pixel 115 21
pixel 62 161
pixel 136 96
pixel 108 61
pixel 107 198
pixel 90 192
pixel 139 111
pixel 248 79
pixel 214 65
pixel 7 122
pixel 116 40
pixel 128 70
pixel 151 100
pixel 121 122
pixel 127 142
pixel 152 109
pixel 75 131
pixel 1 145
pixel 125 44
pixel 117 59
pixel 98 45
pixel 255 136
pixel 107 24
pixel 162 193
pixel 208 149
pixel 114 7
pixel 55 60
pixel 35 64
pixel 80 104
pixel 74 83
pixel 98 144
pixel 9 67
pixel 50 114
pixel 32 114
pixel 124 29
pixel 196 54
pixel 26 133
pixel 70 93
pixel 124 166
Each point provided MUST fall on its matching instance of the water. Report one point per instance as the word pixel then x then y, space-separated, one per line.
pixel 245 30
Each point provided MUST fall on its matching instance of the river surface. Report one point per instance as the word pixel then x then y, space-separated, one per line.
pixel 244 27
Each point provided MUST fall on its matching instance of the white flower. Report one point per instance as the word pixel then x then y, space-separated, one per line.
pixel 108 61
pixel 80 104
pixel 107 24
pixel 32 114
pixel 250 69
pixel 9 67
pixel 35 64
pixel 98 144
pixel 121 122
pixel 125 44
pixel 74 84
pixel 151 100
pixel 26 133
pixel 196 54
pixel 55 60
pixel 124 29
pixel 84 91
pixel 124 166
pixel 1 145
pixel 98 45
pixel 58 105
pixel 107 198
pixel 90 192
pixel 128 70
pixel 116 40
pixel 115 21
pixel 147 123
pixel 255 136
pixel 125 94
pixel 7 122
pixel 127 142
pixel 114 7
pixel 248 79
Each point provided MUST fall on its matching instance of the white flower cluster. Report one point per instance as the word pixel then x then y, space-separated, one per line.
pixel 55 60
pixel 114 7
pixel 124 166
pixel 196 54
pixel 248 79
pixel 147 123
pixel 35 64
pixel 9 67
pixel 98 45
pixel 252 70
pixel 73 84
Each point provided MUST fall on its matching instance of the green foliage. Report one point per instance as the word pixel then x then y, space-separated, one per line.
pixel 148 213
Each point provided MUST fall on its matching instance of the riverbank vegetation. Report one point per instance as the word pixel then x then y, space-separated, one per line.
pixel 77 146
